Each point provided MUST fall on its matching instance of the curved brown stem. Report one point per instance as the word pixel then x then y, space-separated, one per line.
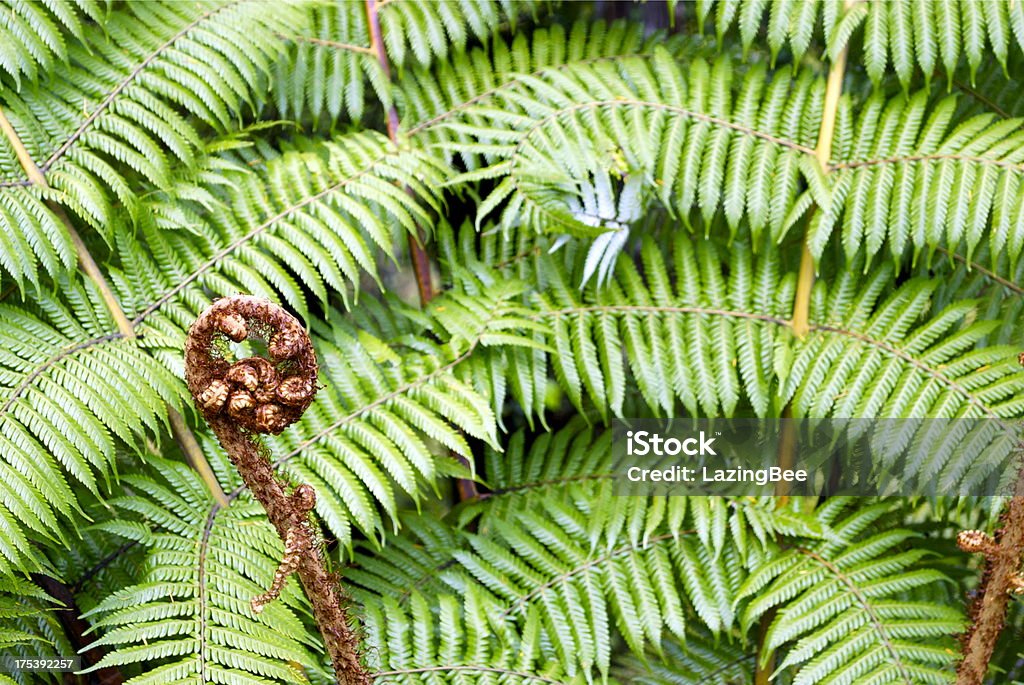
pixel 1001 579
pixel 245 398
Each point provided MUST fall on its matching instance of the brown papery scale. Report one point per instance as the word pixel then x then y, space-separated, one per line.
pixel 248 397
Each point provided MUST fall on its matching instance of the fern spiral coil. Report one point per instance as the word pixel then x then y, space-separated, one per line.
pixel 248 397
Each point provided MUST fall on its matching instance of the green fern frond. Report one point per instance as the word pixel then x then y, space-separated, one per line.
pixel 281 224
pixel 900 33
pixel 844 604
pixel 121 111
pixel 700 659
pixel 699 141
pixel 382 427
pixel 443 92
pixel 188 619
pixel 29 629
pixel 70 393
pixel 32 237
pixel 32 34
pixel 439 641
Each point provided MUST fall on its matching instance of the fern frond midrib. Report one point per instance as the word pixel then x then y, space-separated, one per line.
pixel 55 359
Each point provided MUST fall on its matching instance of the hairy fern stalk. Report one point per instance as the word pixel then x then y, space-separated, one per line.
pixel 741 208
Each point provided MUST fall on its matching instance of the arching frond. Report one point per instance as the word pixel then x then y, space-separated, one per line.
pixel 587 566
pixel 704 140
pixel 282 224
pixel 116 114
pixel 490 74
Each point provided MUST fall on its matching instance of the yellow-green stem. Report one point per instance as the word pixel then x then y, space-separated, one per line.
pixel 823 154
pixel 182 434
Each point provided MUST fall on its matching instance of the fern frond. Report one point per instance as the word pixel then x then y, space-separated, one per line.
pixel 29 629
pixel 701 659
pixel 382 426
pixel 968 180
pixel 585 564
pixel 32 34
pixel 696 142
pixel 486 74
pixel 188 619
pixel 742 147
pixel 901 33
pixel 281 224
pixel 439 641
pixel 32 237
pixel 70 393
pixel 844 603
pixel 129 104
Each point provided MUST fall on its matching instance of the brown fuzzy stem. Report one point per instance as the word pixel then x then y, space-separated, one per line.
pixel 1002 578
pixel 255 395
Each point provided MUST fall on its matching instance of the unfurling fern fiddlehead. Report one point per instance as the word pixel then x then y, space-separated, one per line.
pixel 245 398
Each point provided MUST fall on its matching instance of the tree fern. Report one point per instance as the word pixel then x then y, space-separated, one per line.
pixel 614 211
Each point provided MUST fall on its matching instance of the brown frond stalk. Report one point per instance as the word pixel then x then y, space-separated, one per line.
pixel 1001 579
pixel 244 398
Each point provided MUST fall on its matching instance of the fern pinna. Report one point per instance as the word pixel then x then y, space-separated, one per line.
pixel 615 211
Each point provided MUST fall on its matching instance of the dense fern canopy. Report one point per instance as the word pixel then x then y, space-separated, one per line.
pixel 507 226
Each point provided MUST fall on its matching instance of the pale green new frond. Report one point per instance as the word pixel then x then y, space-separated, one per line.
pixel 33 34
pixel 188 619
pixel 845 611
pixel 69 394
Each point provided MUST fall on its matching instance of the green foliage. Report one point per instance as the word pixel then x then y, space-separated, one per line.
pixel 905 35
pixel 189 611
pixel 620 219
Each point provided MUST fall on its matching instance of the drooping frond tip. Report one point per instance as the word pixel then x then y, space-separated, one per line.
pixel 260 395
